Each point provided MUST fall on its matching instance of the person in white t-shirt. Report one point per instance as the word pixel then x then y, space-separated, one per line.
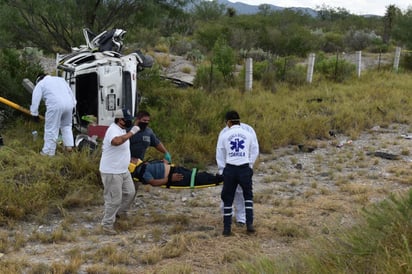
pixel 119 190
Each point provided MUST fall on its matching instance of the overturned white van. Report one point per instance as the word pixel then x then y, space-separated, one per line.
pixel 102 79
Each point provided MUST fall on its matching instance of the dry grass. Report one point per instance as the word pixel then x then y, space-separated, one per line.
pixel 163 60
pixel 186 70
pixel 52 210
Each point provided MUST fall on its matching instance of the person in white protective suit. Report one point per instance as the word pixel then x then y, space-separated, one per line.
pixel 239 201
pixel 60 102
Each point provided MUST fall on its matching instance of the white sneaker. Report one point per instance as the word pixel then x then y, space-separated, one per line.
pixel 108 230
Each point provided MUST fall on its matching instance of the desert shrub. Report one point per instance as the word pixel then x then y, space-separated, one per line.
pixel 162 48
pixel 269 80
pixel 149 79
pixel 224 59
pixel 265 72
pixel 378 46
pixel 195 56
pixel 406 61
pixel 359 39
pixel 256 54
pixel 335 69
pixel 142 38
pixel 260 68
pixel 286 69
pixel 15 66
pixel 208 78
pixel 332 42
pixel 296 75
pixel 181 46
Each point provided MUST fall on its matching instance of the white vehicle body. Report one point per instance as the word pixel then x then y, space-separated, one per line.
pixel 102 80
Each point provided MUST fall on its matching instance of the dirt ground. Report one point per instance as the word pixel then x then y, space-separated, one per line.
pixel 300 196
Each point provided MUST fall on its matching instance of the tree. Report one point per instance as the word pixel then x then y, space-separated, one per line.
pixel 207 34
pixel 264 9
pixel 402 30
pixel 224 58
pixel 57 25
pixel 231 12
pixel 15 66
pixel 326 13
pixel 332 42
pixel 208 10
pixel 392 12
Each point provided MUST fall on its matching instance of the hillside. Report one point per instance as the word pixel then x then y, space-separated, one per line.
pixel 242 8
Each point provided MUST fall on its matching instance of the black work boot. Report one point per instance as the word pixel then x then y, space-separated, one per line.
pixel 250 228
pixel 226 232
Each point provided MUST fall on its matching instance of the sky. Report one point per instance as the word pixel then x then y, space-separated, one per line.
pixel 358 7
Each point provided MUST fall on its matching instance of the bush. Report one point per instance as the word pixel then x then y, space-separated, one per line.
pixel 259 69
pixel 406 61
pixel 296 75
pixel 256 54
pixel 15 66
pixel 195 56
pixel 224 59
pixel 335 69
pixel 208 78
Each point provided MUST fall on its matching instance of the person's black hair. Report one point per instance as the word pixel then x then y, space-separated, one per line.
pixel 40 77
pixel 142 113
pixel 233 117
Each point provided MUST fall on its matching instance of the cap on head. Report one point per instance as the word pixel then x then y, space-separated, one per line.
pixel 40 77
pixel 123 114
pixel 232 116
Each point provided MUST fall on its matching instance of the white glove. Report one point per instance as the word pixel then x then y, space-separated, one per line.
pixel 134 129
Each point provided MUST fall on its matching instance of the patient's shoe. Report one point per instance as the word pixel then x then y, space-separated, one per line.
pixel 219 178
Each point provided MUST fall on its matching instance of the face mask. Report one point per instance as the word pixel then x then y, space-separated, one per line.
pixel 127 123
pixel 142 125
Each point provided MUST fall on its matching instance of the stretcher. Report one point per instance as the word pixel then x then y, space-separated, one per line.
pixel 187 184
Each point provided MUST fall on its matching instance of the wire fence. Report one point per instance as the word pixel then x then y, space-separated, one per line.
pixel 337 67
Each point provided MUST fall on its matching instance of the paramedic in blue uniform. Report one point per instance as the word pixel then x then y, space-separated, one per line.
pixel 236 153
pixel 145 138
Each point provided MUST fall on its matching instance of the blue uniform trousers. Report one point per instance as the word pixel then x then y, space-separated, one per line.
pixel 233 176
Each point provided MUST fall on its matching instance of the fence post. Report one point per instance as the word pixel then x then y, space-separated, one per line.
pixel 336 65
pixel 249 74
pixel 397 57
pixel 311 64
pixel 358 62
pixel 380 59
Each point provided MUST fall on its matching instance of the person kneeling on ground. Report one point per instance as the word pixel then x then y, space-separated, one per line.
pixel 160 172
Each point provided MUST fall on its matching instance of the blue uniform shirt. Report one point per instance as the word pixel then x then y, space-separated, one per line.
pixel 141 141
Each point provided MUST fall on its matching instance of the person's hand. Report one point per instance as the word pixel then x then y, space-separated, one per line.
pixel 168 157
pixel 176 177
pixel 134 129
pixel 35 118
